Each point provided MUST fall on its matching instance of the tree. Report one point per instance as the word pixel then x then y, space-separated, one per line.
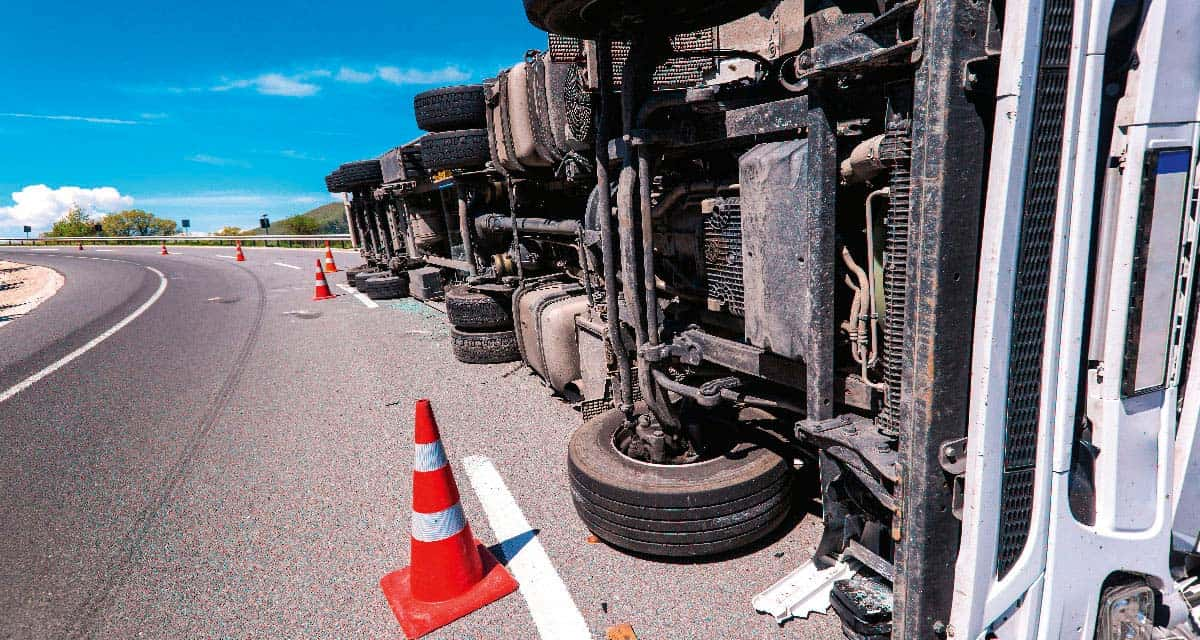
pixel 135 222
pixel 230 231
pixel 75 224
pixel 300 225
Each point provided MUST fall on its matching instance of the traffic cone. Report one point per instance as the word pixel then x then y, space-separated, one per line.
pixel 330 266
pixel 450 574
pixel 164 249
pixel 322 292
pixel 240 256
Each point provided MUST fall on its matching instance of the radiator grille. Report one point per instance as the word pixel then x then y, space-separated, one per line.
pixel 723 256
pixel 675 73
pixel 596 406
pixel 1032 283
pixel 896 153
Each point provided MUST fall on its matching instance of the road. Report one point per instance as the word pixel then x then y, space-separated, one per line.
pixel 235 462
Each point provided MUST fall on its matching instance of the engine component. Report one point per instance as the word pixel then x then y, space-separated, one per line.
pixel 896 150
pixel 787 223
pixel 723 273
pixel 426 223
pixel 539 118
pixel 864 162
pixel 544 315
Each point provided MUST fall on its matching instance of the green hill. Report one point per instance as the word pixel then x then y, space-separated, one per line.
pixel 327 218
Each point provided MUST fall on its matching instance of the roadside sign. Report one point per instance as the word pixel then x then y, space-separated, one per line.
pixel 186 223
pixel 28 230
pixel 264 222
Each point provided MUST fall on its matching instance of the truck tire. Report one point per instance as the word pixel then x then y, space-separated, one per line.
pixel 333 182
pixel 361 175
pixel 451 108
pixel 352 273
pixel 592 19
pixel 360 278
pixel 706 508
pixel 467 309
pixel 464 149
pixel 386 287
pixel 484 347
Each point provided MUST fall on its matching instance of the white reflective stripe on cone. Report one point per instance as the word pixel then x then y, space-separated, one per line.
pixel 435 527
pixel 429 457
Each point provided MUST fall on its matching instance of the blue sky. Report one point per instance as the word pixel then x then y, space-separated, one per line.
pixel 221 111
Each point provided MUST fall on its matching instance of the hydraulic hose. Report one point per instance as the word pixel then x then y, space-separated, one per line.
pixel 607 244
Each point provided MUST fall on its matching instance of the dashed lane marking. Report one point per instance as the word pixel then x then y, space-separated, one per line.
pixel 65 360
pixel 284 264
pixel 221 255
pixel 103 250
pixel 362 297
pixel 553 610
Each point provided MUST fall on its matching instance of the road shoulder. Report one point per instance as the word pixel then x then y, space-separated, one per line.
pixel 23 287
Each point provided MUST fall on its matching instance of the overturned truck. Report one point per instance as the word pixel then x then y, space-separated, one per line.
pixel 939 252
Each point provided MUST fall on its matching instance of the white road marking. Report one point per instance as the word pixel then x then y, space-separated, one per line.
pixel 44 249
pixel 284 264
pixel 63 361
pixel 553 610
pixel 219 255
pixel 362 297
pixel 104 250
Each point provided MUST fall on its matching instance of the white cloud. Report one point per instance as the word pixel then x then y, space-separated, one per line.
pixel 308 83
pixel 39 206
pixel 88 119
pixel 346 74
pixel 398 76
pixel 402 76
pixel 276 84
pixel 217 161
pixel 299 155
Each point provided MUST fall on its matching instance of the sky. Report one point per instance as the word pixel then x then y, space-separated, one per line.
pixel 222 111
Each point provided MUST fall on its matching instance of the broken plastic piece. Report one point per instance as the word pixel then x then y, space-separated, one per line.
pixel 803 591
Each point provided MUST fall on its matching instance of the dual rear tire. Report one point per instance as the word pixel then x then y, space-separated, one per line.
pixel 706 508
pixel 481 330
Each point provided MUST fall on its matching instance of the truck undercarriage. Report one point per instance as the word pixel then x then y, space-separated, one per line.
pixel 746 237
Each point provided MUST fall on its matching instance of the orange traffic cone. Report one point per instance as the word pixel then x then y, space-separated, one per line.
pixel 81 246
pixel 330 266
pixel 164 249
pixel 450 573
pixel 240 256
pixel 322 292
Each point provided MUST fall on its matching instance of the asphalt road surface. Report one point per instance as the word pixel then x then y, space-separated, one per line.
pixel 234 462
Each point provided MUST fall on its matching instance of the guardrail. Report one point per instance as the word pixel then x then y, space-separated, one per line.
pixel 339 240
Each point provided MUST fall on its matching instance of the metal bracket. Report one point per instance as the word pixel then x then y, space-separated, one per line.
pixel 803 591
pixel 952 455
